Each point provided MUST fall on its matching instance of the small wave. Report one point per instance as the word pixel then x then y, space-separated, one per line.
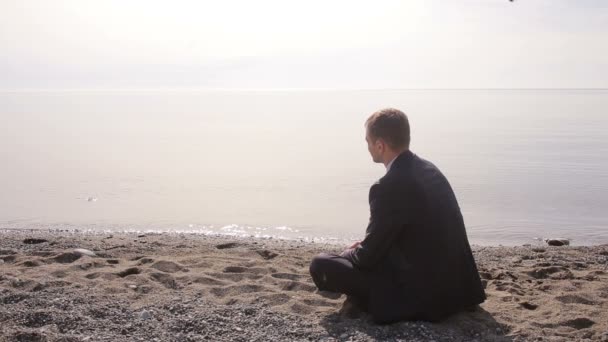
pixel 233 230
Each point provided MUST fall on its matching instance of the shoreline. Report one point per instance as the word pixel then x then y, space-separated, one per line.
pixel 189 287
pixel 331 241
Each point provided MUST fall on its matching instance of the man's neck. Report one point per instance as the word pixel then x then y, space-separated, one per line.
pixel 390 156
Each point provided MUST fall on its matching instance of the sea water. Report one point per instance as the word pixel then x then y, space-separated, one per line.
pixel 524 164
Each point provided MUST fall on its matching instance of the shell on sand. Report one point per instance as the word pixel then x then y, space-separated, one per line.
pixel 86 252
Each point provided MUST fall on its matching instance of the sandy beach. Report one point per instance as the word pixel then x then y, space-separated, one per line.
pixel 184 287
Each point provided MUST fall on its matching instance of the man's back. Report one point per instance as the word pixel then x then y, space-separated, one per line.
pixel 425 268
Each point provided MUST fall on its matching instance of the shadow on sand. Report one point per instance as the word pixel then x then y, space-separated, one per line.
pixel 478 325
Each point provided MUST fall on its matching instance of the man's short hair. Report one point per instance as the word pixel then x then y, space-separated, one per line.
pixel 390 125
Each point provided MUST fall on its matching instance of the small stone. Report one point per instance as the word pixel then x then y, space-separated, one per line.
pixel 34 241
pixel 238 329
pixel 132 286
pixel 557 242
pixel 86 252
pixel 145 315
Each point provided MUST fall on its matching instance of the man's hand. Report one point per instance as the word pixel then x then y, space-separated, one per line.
pixel 355 245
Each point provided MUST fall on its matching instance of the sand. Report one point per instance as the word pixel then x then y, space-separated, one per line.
pixel 184 287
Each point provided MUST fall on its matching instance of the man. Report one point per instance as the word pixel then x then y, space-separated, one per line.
pixel 415 261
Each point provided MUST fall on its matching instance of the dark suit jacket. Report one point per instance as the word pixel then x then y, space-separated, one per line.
pixel 416 248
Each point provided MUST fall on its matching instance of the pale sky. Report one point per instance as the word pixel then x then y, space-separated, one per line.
pixel 83 44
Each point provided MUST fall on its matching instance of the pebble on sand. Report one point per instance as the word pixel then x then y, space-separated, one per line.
pixel 145 315
pixel 86 252
pixel 557 242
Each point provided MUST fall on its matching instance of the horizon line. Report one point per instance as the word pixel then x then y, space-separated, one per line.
pixel 19 90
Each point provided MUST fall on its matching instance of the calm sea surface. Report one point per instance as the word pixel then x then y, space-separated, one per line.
pixel 524 163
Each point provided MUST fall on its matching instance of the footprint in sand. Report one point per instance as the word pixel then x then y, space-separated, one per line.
pixel 234 269
pixel 59 274
pixel 145 260
pixel 289 276
pixel 273 299
pixel 266 254
pixel 51 284
pixel 241 269
pixel 26 285
pixel 128 272
pixel 9 258
pixel 485 275
pixel 28 336
pixel 574 299
pixel 42 253
pixel 235 277
pixel 67 258
pixel 231 301
pixel 592 275
pixel 528 305
pixel 31 263
pixel 207 281
pixel 102 275
pixel 552 272
pixel 14 298
pixel 509 287
pixel 236 290
pixel 34 241
pixel 168 267
pixel 88 265
pixel 227 245
pixel 317 302
pixel 38 319
pixel 329 294
pixel 603 292
pixel 578 323
pixel 165 279
pixel 301 309
pixel 297 286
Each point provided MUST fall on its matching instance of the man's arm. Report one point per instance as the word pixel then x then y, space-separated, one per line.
pixel 386 222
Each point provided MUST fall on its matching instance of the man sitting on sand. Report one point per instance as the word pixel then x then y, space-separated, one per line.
pixel 415 261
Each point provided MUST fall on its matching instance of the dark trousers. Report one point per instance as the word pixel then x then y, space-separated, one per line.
pixel 334 273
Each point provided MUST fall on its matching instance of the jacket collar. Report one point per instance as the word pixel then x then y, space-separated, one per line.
pixel 402 159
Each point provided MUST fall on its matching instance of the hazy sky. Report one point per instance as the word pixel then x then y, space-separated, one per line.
pixel 304 44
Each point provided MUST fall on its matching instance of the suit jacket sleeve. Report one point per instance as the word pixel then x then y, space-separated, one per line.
pixel 386 223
